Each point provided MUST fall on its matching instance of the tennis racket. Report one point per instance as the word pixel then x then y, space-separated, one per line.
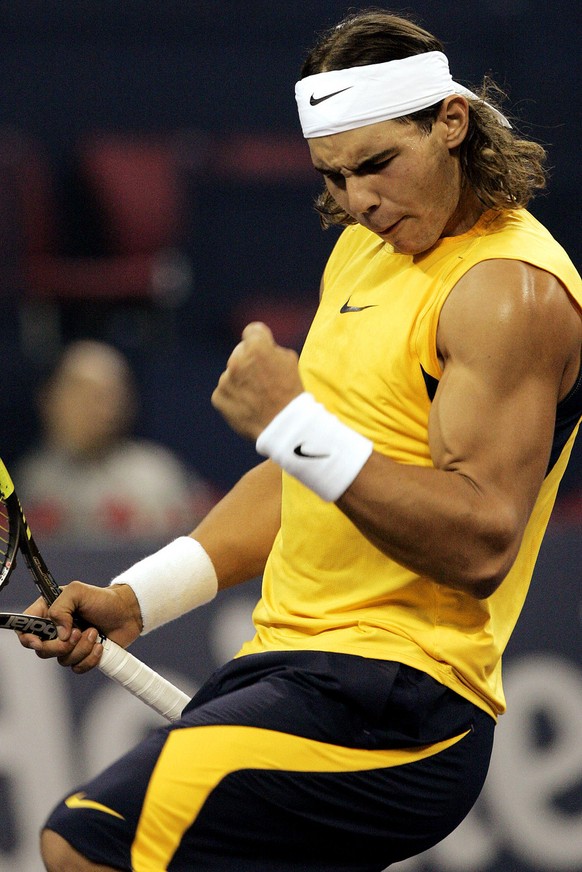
pixel 117 663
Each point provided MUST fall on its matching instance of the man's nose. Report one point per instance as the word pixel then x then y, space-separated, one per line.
pixel 362 194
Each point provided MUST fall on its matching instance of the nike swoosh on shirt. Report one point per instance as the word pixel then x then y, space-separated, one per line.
pixel 77 800
pixel 313 100
pixel 347 308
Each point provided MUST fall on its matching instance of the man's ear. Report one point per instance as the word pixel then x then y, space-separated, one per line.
pixel 454 114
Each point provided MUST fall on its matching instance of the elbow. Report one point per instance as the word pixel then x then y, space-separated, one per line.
pixel 486 576
pixel 483 588
pixel 494 550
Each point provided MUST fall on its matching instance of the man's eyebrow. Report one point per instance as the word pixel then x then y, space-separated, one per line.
pixel 365 165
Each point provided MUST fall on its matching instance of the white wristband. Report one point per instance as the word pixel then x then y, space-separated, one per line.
pixel 314 446
pixel 172 581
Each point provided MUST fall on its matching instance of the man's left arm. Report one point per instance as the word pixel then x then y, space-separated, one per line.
pixel 509 342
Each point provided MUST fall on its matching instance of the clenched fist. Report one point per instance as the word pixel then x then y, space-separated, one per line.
pixel 260 379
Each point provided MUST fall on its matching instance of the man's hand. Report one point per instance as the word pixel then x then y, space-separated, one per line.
pixel 260 379
pixel 113 609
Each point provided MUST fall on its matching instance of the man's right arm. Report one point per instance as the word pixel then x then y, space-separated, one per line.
pixel 237 535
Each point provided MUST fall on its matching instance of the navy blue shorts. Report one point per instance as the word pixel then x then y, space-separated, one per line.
pixel 289 761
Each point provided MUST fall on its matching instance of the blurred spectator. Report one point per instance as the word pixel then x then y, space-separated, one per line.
pixel 89 481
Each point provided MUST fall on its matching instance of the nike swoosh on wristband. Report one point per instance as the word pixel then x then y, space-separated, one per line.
pixel 77 800
pixel 298 450
pixel 347 308
pixel 313 100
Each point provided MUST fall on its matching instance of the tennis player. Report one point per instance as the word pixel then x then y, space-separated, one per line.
pixel 413 455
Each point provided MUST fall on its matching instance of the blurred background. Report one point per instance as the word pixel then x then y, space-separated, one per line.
pixel 155 196
pixel 156 192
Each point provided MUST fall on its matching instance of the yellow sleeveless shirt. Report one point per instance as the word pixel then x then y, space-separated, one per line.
pixel 370 358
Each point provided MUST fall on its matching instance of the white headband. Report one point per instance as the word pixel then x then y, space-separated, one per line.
pixel 341 100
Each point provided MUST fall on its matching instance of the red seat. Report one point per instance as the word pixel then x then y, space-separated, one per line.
pixel 133 184
pixel 136 184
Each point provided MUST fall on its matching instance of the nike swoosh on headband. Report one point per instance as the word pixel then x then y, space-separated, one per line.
pixel 313 100
pixel 382 92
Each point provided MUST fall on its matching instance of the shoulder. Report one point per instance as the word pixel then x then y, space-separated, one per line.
pixel 37 465
pixel 515 234
pixel 149 458
pixel 504 288
pixel 513 311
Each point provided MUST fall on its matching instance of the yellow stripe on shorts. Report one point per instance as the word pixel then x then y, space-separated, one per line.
pixel 196 759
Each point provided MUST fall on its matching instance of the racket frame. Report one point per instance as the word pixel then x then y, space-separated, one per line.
pixel 117 663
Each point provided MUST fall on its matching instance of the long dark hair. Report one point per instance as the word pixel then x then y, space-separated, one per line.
pixel 503 169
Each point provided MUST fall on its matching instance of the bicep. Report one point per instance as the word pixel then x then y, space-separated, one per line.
pixel 506 334
pixel 499 439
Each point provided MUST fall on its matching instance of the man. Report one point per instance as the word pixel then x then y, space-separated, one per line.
pixel 89 478
pixel 422 438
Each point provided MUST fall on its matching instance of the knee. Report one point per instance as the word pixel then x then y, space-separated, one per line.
pixel 58 855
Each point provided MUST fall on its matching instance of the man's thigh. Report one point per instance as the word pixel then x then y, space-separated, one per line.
pixel 284 766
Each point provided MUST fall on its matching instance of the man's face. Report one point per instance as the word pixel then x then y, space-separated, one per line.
pixel 86 407
pixel 397 180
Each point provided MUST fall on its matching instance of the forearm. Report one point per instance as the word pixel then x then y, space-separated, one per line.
pixel 229 547
pixel 437 523
pixel 441 523
pixel 237 536
pixel 239 531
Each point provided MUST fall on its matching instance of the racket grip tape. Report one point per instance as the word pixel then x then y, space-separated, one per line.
pixel 141 680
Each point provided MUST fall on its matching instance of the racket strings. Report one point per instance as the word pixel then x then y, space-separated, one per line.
pixel 4 532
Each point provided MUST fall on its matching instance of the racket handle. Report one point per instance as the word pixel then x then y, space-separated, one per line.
pixel 157 692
